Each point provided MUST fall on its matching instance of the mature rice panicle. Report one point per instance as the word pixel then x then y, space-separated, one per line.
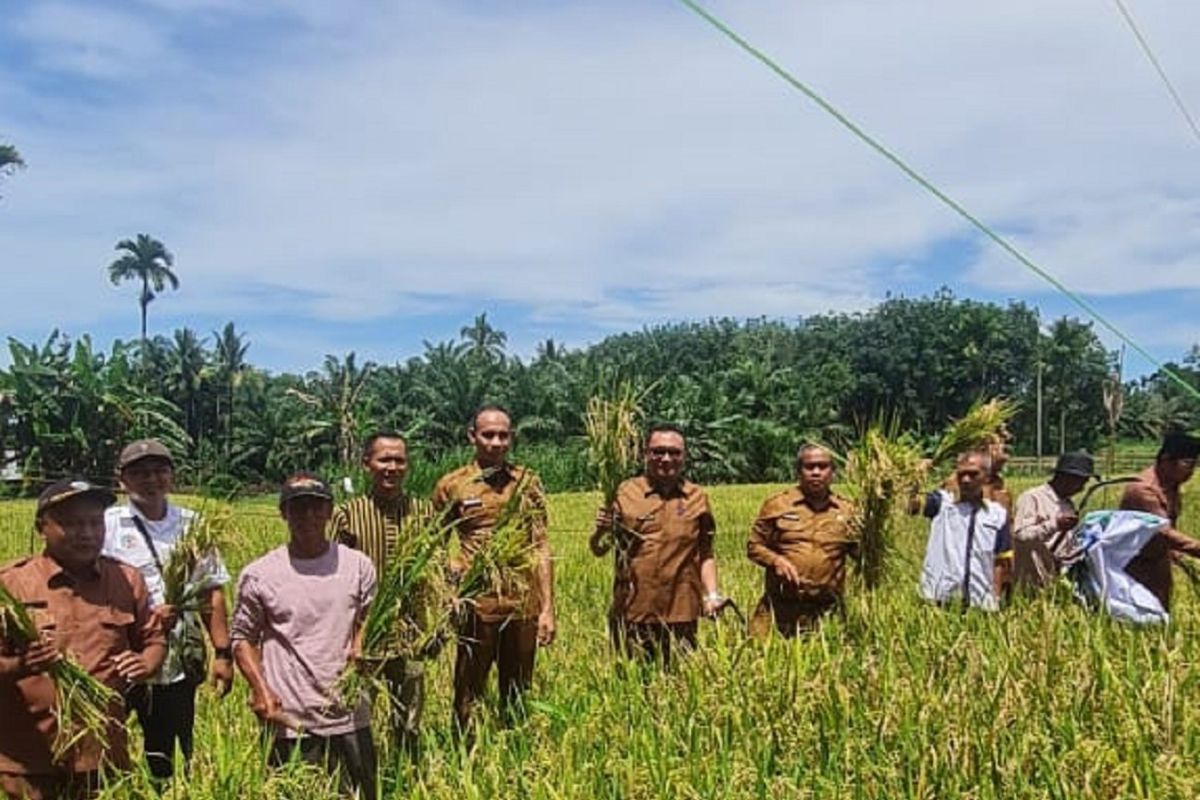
pixel 82 703
pixel 502 564
pixel 612 439
pixel 984 424
pixel 407 613
pixel 883 469
pixel 207 534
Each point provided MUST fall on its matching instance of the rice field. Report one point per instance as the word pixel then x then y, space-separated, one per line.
pixel 895 700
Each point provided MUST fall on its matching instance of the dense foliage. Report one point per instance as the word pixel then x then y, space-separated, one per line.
pixel 746 392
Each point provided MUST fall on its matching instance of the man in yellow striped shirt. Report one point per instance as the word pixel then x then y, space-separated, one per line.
pixel 375 524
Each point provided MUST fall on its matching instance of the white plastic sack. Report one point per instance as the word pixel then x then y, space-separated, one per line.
pixel 1110 540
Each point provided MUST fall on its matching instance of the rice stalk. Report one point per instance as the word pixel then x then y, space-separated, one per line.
pixel 405 617
pixel 204 538
pixel 984 425
pixel 882 471
pixel 503 562
pixel 611 425
pixel 82 703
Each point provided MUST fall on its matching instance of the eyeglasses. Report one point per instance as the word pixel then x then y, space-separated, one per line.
pixel 666 452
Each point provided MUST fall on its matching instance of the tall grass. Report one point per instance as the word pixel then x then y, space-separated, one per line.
pixel 893 699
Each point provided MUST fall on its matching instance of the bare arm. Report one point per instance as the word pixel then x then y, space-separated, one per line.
pixel 212 611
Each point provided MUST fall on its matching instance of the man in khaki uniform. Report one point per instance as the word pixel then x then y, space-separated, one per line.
pixel 1157 491
pixel 92 607
pixel 802 537
pixel 499 629
pixel 665 575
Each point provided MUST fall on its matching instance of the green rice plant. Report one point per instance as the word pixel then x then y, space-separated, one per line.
pixel 408 614
pixel 882 471
pixel 82 704
pixel 503 562
pixel 612 440
pixel 984 425
pixel 204 538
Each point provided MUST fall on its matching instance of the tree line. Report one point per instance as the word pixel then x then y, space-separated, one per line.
pixel 746 392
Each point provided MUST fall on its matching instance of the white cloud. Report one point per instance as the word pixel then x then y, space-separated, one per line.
pixel 609 167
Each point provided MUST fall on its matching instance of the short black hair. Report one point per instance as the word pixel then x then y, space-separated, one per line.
pixel 485 408
pixel 369 444
pixel 663 427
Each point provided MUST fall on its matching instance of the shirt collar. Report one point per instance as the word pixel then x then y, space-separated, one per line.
pixel 682 489
pixel 801 500
pixel 54 572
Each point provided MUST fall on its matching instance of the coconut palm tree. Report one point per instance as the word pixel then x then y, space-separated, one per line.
pixel 145 259
pixel 230 361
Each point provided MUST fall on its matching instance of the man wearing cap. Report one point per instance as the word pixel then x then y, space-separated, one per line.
pixel 85 604
pixel 1045 516
pixel 665 574
pixel 802 538
pixel 1156 491
pixel 142 534
pixel 296 628
pixel 375 523
pixel 501 629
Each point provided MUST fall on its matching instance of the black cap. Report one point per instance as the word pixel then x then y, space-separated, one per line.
pixel 65 489
pixel 303 484
pixel 1078 463
pixel 1179 445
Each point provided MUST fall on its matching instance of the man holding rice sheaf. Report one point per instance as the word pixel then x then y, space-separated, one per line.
pixel 144 534
pixel 296 629
pixel 665 574
pixel 491 501
pixel 802 538
pixel 90 626
pixel 375 523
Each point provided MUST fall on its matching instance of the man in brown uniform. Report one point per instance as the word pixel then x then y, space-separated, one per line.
pixel 801 537
pixel 375 524
pixel 1156 491
pixel 498 629
pixel 96 609
pixel 665 575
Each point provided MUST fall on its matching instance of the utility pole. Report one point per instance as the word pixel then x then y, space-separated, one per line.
pixel 1040 367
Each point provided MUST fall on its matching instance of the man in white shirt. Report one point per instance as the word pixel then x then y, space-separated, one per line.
pixel 969 551
pixel 142 534
pixel 1045 516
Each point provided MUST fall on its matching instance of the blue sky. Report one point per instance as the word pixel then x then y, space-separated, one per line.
pixel 366 176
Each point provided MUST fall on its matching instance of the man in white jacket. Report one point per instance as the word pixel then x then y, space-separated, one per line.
pixel 969 553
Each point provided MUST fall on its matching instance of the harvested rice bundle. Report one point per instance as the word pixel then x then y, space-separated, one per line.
pixel 612 440
pixel 983 426
pixel 82 704
pixel 406 617
pixel 882 470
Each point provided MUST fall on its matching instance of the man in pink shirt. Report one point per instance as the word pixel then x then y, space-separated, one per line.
pixel 296 626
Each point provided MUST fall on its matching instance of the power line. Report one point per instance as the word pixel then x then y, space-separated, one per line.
pixel 926 184
pixel 1162 73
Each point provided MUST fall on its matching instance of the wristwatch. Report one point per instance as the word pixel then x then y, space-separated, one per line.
pixel 223 653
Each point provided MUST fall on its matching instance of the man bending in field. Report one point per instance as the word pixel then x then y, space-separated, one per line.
pixel 802 538
pixel 296 627
pixel 665 575
pixel 1157 491
pixel 969 552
